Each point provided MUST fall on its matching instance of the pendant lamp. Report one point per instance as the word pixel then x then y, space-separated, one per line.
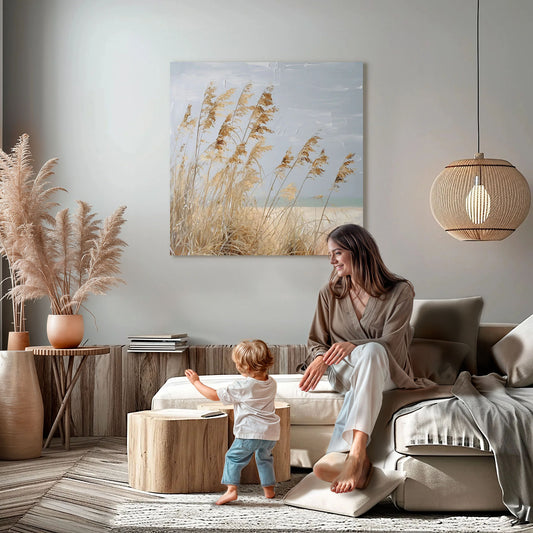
pixel 480 199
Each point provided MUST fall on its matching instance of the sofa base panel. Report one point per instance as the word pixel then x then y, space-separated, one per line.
pixel 449 484
pixel 309 444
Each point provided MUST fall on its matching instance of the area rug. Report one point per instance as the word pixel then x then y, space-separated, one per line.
pixel 252 512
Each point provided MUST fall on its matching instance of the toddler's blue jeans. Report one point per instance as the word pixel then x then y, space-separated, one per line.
pixel 240 454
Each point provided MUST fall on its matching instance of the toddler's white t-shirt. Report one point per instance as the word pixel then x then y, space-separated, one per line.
pixel 253 407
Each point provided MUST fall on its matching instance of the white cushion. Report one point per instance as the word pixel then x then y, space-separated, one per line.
pixel 514 354
pixel 316 408
pixel 313 493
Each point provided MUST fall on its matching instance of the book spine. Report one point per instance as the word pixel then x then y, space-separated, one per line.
pixel 157 344
pixel 157 350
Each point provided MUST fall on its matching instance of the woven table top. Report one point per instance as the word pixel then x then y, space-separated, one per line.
pixel 84 350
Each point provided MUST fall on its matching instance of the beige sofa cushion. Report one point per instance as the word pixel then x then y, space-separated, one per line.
pixel 439 361
pixel 514 354
pixel 318 407
pixel 454 319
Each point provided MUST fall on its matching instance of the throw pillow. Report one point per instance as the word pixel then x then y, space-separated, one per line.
pixel 514 354
pixel 313 493
pixel 455 320
pixel 439 361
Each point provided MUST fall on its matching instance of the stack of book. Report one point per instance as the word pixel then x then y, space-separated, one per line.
pixel 173 342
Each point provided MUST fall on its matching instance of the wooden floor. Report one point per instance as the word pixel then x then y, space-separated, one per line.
pixel 58 493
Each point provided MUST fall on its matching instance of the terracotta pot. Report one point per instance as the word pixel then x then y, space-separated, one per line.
pixel 65 331
pixel 21 407
pixel 18 340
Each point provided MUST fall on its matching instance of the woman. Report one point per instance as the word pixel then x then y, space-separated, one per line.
pixel 360 336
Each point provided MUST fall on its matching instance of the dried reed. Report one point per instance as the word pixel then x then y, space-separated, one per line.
pixel 213 210
pixel 57 257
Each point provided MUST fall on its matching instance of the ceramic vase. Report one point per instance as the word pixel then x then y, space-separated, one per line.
pixel 65 331
pixel 18 340
pixel 21 406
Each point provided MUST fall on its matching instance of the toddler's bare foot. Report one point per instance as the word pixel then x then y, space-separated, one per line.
pixel 269 492
pixel 229 496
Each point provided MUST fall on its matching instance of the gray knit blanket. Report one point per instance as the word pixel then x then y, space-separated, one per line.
pixel 505 417
pixel 498 419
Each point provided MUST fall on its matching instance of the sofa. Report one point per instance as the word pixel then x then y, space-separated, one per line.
pixel 445 468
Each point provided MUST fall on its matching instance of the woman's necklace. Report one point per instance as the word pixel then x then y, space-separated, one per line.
pixel 356 295
pixel 359 300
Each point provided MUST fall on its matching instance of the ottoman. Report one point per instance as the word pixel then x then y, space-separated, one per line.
pixel 176 450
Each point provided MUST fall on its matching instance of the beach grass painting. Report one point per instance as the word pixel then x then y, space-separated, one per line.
pixel 266 158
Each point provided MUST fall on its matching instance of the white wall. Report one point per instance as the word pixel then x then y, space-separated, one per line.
pixel 89 81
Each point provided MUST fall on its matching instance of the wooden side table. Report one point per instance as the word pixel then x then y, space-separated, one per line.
pixel 176 450
pixel 281 452
pixel 62 367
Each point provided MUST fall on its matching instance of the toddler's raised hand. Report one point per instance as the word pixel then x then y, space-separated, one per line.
pixel 192 376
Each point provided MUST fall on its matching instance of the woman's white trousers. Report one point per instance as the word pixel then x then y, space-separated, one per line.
pixel 363 376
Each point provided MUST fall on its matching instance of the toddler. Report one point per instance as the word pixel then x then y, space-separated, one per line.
pixel 256 426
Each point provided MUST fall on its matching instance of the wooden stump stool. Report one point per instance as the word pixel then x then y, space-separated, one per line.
pixel 281 452
pixel 176 451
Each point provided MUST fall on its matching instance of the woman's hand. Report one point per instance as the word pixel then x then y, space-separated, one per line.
pixel 338 352
pixel 313 374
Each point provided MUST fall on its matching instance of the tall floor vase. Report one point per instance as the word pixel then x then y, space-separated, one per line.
pixel 21 406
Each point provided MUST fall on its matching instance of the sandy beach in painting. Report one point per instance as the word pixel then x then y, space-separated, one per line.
pixel 334 216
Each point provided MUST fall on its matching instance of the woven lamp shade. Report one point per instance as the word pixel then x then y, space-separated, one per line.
pixel 488 209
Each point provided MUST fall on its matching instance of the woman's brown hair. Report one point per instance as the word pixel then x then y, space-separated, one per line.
pixel 368 267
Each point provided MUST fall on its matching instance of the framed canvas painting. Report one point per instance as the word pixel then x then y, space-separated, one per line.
pixel 265 158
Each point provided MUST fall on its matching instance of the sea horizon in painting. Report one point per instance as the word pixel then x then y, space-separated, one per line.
pixel 266 158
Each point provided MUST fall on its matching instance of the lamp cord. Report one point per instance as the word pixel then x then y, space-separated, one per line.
pixel 477 70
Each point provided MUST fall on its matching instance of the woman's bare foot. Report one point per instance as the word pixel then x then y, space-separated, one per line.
pixel 229 496
pixel 330 466
pixel 354 475
pixel 269 492
pixel 364 480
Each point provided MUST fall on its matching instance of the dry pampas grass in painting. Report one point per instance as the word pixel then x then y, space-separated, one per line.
pixel 63 257
pixel 214 174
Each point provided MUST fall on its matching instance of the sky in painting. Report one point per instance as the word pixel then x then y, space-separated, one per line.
pixel 323 98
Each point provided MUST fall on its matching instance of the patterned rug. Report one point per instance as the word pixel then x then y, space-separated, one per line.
pixel 252 512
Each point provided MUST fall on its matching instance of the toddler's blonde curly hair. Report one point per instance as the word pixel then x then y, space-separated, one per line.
pixel 252 355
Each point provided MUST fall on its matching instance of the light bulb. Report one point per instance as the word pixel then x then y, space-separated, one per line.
pixel 478 203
